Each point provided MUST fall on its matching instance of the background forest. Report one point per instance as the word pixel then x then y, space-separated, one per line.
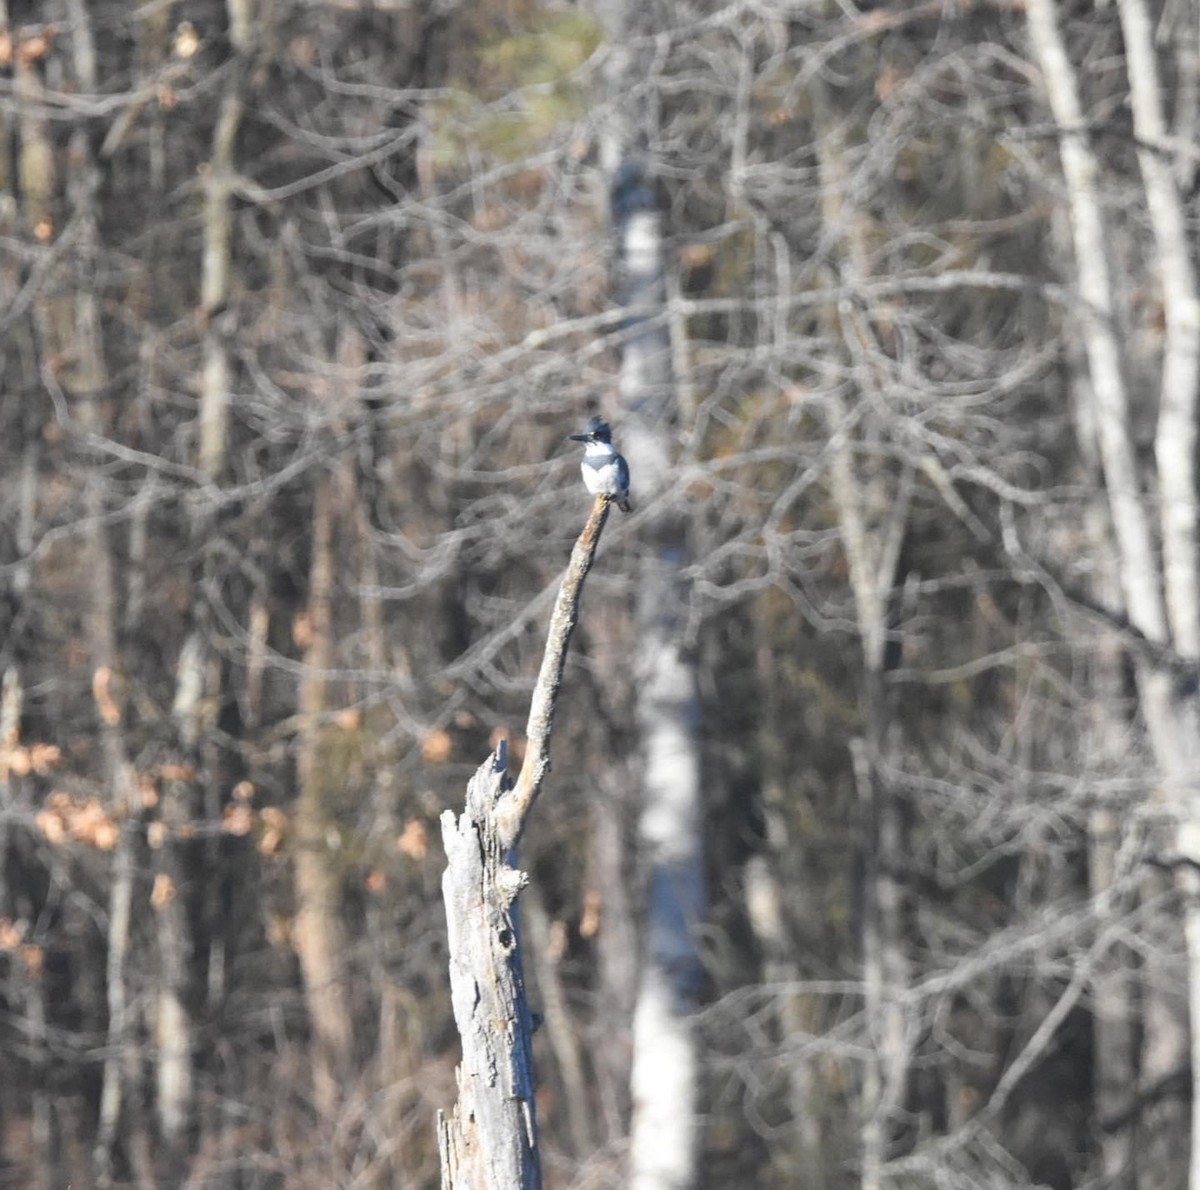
pixel 871 853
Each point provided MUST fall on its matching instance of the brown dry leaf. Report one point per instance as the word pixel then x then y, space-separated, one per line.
pixel 237 820
pixel 52 826
pixel 36 46
pixel 414 839
pixel 243 791
pixel 44 757
pixel 589 922
pixel 349 719
pixel 438 746
pixel 156 835
pixel 163 892
pixel 6 48
pixel 43 229
pixel 105 835
pixel 177 772
pixel 147 791
pixel 376 881
pixel 11 934
pixel 166 97
pixel 17 761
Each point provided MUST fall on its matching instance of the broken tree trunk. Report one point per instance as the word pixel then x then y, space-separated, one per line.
pixel 489 1142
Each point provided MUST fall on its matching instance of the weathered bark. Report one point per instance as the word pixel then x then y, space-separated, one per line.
pixel 490 1141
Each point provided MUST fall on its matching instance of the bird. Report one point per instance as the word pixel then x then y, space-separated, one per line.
pixel 605 473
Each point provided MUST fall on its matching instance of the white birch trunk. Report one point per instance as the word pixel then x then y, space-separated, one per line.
pixel 1169 721
pixel 1175 440
pixel 665 1063
pixel 1136 557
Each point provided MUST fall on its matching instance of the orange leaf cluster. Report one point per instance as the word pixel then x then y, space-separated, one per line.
pixel 67 818
pixel 238 819
pixel 414 839
pixel 12 934
pixel 18 761
pixel 12 941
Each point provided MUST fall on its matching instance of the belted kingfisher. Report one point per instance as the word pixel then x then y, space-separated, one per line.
pixel 605 473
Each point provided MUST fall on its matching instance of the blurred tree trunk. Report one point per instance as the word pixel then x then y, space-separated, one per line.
pixel 665 1071
pixel 1175 458
pixel 70 326
pixel 664 1075
pixel 219 322
pixel 560 1032
pixel 318 930
pixel 1106 737
pixel 1161 600
pixel 872 519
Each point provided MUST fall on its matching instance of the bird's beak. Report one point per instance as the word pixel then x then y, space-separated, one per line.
pixel 578 437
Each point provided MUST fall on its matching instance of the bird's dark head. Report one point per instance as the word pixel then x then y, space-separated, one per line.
pixel 597 431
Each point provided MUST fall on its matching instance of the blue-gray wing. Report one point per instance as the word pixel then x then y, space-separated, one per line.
pixel 622 475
